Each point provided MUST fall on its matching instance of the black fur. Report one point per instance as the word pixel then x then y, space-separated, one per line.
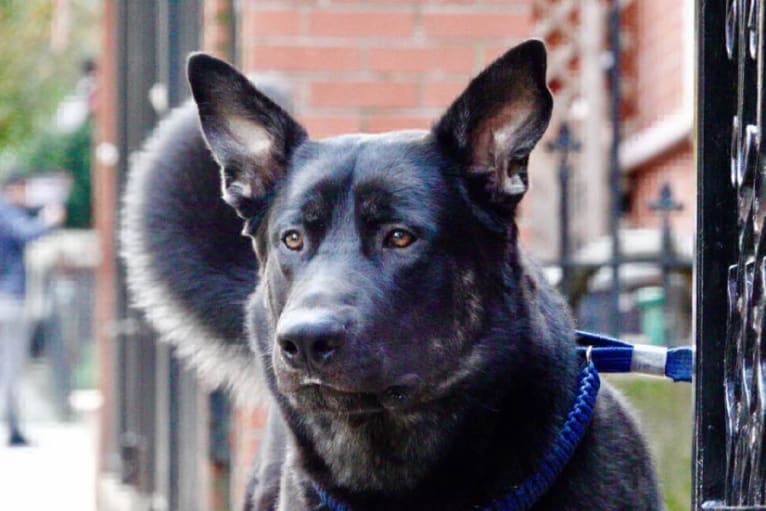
pixel 414 357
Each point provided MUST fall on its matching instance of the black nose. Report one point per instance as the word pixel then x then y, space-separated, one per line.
pixel 309 340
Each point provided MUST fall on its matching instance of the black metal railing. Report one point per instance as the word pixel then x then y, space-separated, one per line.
pixel 729 460
pixel 156 400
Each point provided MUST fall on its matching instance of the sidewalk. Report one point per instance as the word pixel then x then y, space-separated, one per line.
pixel 58 470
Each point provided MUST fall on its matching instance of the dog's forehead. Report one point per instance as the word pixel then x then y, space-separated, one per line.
pixel 359 163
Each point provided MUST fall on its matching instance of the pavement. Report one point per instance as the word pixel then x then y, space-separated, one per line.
pixel 58 469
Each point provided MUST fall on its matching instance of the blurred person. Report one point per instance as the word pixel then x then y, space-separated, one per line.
pixel 17 228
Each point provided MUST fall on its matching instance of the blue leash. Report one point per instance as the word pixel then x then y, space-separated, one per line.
pixel 525 495
pixel 611 355
pixel 602 354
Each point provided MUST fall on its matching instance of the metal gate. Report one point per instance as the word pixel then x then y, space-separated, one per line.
pixel 730 462
pixel 158 443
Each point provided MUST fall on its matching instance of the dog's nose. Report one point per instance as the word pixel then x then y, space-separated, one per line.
pixel 310 340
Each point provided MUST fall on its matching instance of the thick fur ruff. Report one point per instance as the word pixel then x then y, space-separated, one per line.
pixel 192 288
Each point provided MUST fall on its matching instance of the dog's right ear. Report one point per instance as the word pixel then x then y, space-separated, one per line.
pixel 250 136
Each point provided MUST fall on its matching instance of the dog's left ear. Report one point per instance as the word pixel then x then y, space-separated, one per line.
pixel 494 125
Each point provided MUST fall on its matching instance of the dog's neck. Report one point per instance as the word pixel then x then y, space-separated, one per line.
pixel 447 452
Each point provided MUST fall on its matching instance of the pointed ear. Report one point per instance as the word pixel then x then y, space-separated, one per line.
pixel 250 136
pixel 494 125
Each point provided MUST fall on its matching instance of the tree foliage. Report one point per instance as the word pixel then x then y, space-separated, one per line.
pixel 34 78
pixel 70 152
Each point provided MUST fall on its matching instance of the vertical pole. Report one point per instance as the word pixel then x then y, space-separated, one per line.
pixel 667 254
pixel 716 245
pixel 564 223
pixel 665 204
pixel 595 95
pixel 104 179
pixel 170 62
pixel 233 35
pixel 174 414
pixel 182 34
pixel 564 144
pixel 136 74
pixel 614 174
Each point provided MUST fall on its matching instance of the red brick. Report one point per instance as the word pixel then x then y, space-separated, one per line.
pixel 251 419
pixel 677 168
pixel 442 93
pixel 303 58
pixel 248 426
pixel 323 126
pixel 273 22
pixel 454 59
pixel 476 25
pixel 491 53
pixel 380 123
pixel 409 2
pixel 214 28
pixel 361 23
pixel 416 2
pixel 364 94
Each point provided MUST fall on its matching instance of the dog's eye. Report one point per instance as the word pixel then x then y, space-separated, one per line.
pixel 293 240
pixel 399 238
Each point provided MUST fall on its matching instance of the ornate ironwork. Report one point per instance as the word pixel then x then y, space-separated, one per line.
pixel 745 354
pixel 665 205
pixel 733 100
pixel 564 144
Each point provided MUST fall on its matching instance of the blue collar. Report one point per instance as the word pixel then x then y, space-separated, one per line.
pixel 523 496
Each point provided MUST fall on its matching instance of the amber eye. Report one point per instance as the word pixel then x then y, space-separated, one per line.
pixel 399 238
pixel 293 240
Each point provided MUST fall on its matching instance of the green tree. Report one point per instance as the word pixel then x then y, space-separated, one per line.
pixel 33 78
pixel 69 152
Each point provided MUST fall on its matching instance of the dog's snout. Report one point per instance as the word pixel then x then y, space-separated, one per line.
pixel 310 340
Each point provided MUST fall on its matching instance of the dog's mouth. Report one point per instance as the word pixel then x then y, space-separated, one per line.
pixel 322 397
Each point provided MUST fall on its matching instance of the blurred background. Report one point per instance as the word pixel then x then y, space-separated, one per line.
pixel 112 420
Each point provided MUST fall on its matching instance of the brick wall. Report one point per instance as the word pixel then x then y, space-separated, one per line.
pixel 372 65
pixel 104 192
pixel 216 22
pixel 247 430
pixel 677 168
pixel 661 50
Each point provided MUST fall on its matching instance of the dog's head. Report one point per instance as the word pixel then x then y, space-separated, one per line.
pixel 380 255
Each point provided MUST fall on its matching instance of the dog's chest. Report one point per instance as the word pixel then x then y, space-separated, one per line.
pixel 377 455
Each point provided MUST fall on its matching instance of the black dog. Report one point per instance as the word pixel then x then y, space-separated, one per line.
pixel 414 359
